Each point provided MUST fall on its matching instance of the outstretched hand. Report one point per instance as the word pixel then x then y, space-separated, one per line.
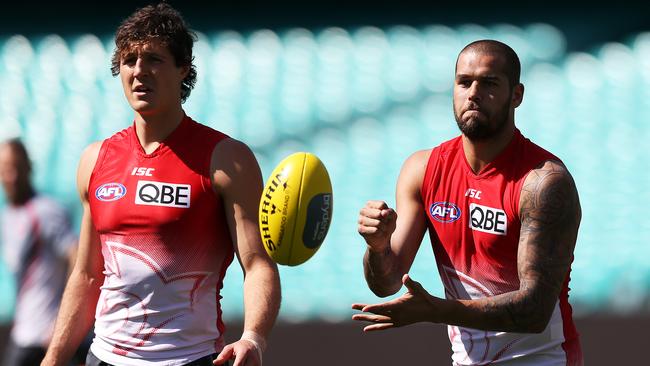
pixel 244 352
pixel 416 305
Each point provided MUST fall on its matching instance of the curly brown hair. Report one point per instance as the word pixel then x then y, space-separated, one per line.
pixel 163 23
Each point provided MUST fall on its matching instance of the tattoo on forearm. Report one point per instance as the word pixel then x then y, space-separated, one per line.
pixel 379 270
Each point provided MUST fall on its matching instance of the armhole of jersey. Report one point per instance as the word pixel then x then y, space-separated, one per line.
pixel 99 162
pixel 425 187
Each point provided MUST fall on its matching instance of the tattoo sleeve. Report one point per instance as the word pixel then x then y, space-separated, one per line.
pixel 550 215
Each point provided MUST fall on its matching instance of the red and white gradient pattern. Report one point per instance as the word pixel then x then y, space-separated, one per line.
pixel 480 347
pixel 142 307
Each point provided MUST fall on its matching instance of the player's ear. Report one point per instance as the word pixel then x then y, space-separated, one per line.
pixel 185 70
pixel 517 95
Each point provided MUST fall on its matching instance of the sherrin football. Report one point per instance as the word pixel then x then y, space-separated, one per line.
pixel 296 209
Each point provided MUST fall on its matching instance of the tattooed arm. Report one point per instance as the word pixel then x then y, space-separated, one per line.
pixel 550 214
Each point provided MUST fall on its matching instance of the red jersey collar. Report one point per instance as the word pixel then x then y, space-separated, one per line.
pixel 498 163
pixel 164 145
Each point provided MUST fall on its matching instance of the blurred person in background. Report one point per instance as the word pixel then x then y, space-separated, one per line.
pixel 38 246
pixel 167 204
pixel 502 215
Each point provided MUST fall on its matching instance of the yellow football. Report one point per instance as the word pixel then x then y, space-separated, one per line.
pixel 296 209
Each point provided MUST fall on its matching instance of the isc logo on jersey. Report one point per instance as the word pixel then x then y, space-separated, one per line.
pixel 488 219
pixel 163 194
pixel 110 192
pixel 444 212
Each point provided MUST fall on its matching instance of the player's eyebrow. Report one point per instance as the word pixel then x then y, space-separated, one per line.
pixel 152 53
pixel 489 77
pixel 140 50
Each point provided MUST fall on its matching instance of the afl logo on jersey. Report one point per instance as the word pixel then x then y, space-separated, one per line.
pixel 444 212
pixel 110 192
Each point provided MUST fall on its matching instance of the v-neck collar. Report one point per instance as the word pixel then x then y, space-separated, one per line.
pixel 164 144
pixel 494 166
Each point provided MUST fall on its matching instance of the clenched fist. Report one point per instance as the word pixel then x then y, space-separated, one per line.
pixel 377 224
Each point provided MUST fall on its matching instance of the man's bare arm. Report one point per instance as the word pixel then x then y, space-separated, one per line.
pixel 77 312
pixel 237 178
pixel 393 238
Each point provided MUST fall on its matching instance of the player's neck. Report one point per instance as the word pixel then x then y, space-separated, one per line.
pixel 481 153
pixel 154 128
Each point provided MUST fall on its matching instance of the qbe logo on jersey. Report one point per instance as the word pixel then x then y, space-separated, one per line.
pixel 488 219
pixel 163 194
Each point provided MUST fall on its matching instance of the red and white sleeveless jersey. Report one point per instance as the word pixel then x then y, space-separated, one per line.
pixel 474 224
pixel 166 247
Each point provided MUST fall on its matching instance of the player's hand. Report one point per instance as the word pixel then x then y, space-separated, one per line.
pixel 414 306
pixel 244 352
pixel 377 224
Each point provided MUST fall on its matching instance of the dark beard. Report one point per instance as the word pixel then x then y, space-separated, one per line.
pixel 477 131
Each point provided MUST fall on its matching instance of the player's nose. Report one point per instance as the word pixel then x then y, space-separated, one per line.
pixel 140 68
pixel 474 92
